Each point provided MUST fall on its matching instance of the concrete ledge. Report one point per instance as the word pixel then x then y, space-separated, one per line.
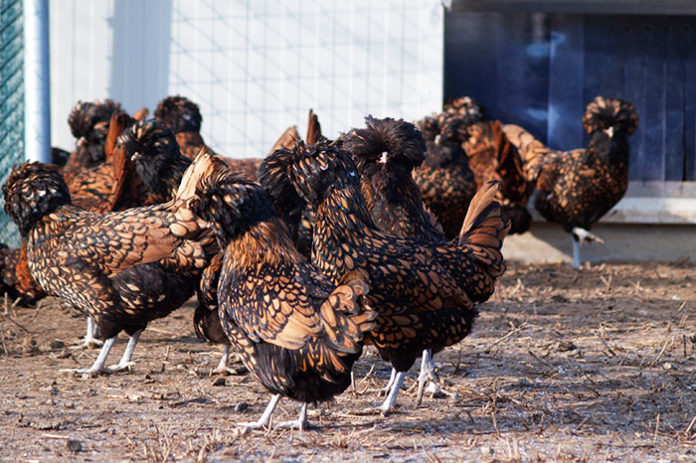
pixel 547 242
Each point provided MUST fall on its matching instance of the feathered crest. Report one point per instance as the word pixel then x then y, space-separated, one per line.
pixel 603 113
pixel 466 107
pixel 386 140
pixel 31 191
pixel 179 114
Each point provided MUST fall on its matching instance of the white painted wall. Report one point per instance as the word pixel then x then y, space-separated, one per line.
pixel 254 67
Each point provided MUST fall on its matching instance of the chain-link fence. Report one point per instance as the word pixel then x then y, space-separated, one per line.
pixel 11 102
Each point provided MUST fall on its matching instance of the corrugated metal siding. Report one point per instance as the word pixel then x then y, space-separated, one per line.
pixel 541 70
pixel 254 67
pixel 11 104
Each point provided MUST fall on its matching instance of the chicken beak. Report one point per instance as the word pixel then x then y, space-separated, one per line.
pixel 609 131
pixel 383 157
pixel 135 156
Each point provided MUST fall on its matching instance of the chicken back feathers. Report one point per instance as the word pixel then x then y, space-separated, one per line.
pixel 420 304
pixel 296 332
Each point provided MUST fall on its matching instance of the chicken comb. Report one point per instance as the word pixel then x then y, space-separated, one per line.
pixel 313 128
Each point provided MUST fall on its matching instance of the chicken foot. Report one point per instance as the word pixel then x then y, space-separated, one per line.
pixel 579 235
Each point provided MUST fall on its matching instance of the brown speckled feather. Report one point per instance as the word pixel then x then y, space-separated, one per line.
pixel 576 188
pixel 296 332
pixel 420 304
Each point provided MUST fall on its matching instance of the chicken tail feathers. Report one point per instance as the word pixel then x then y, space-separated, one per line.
pixel 532 151
pixel 603 113
pixel 485 227
pixel 313 128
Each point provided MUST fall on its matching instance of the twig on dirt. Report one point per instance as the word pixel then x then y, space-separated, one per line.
pixel 657 427
pixel 494 406
pixel 659 356
pixel 606 344
pixel 55 436
pixel 509 333
pixel 517 287
pixel 7 316
pixel 607 282
pixel 691 425
pixel 4 346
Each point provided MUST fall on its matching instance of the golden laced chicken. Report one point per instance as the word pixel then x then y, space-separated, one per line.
pixel 184 117
pixel 92 260
pixel 576 188
pixel 92 189
pixel 491 156
pixel 421 304
pixel 298 333
pixel 296 216
pixel 444 179
pixel 89 124
pixel 385 152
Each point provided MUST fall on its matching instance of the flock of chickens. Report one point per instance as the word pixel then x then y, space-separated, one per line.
pixel 387 236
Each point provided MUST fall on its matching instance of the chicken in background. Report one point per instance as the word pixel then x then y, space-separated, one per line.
pixel 92 260
pixel 420 305
pixel 576 188
pixel 444 179
pixel 492 157
pixel 297 333
pixel 183 117
pixel 89 124
pixel 385 153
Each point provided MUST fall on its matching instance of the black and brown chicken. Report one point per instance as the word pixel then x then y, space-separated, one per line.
pixel 444 179
pixel 297 218
pixel 89 124
pixel 420 304
pixel 92 260
pixel 184 118
pixel 576 188
pixel 492 157
pixel 385 153
pixel 297 333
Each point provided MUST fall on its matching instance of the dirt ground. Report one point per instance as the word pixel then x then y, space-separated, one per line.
pixel 563 365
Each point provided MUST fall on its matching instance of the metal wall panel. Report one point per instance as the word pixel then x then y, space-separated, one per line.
pixel 563 61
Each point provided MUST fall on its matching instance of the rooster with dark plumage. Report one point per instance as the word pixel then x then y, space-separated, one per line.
pixel 420 304
pixel 298 333
pixel 296 216
pixel 576 188
pixel 92 260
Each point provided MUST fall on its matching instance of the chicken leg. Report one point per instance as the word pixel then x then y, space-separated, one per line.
pixel 579 235
pixel 265 418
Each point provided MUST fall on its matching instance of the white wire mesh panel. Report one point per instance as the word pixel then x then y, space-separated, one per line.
pixel 257 67
pixel 254 67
